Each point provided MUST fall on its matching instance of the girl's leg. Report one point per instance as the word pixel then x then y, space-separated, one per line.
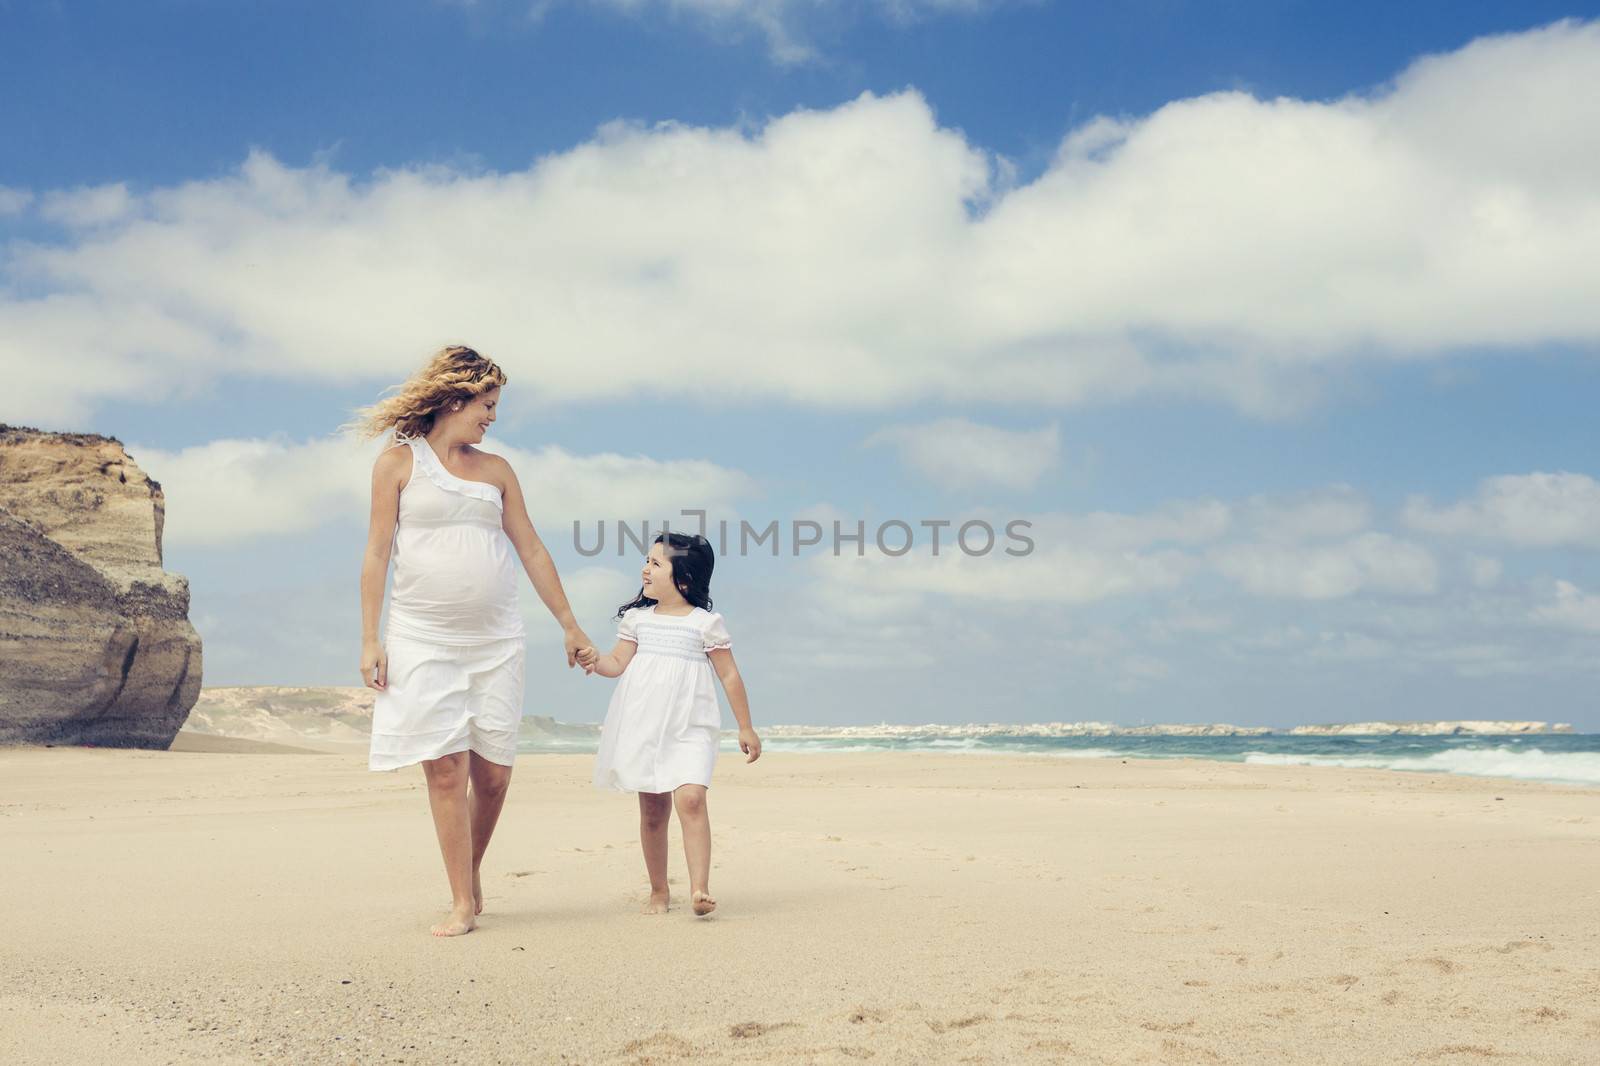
pixel 695 822
pixel 447 796
pixel 484 800
pixel 655 810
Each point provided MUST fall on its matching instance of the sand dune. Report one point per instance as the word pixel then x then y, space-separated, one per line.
pixel 896 908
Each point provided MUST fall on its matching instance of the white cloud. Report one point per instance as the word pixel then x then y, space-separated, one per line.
pixel 1371 562
pixel 1054 573
pixel 230 491
pixel 1572 608
pixel 960 453
pixel 1222 246
pixel 97 205
pixel 594 593
pixel 1529 510
pixel 14 201
pixel 1485 571
pixel 1336 511
pixel 1176 522
pixel 787 26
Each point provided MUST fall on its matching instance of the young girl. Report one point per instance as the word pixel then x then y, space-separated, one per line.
pixel 660 734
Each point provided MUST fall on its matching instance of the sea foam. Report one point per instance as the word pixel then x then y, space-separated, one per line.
pixel 1529 764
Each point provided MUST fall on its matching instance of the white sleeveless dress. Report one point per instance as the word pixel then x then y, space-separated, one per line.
pixel 663 723
pixel 454 632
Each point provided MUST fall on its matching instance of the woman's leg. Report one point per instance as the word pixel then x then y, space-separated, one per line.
pixel 695 822
pixel 655 810
pixel 447 796
pixel 484 800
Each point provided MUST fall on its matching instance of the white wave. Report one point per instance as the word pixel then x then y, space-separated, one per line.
pixel 1091 753
pixel 1530 764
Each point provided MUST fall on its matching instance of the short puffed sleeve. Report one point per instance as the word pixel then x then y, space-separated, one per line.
pixel 716 633
pixel 625 626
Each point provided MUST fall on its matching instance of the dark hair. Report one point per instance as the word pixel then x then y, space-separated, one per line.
pixel 692 560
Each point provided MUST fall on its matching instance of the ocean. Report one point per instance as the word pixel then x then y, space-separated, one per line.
pixel 1558 758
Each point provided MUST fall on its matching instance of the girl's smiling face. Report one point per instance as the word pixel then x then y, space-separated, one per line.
pixel 657 577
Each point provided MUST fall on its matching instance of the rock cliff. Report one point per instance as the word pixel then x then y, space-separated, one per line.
pixel 95 641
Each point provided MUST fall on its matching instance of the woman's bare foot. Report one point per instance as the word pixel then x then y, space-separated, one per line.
pixel 477 893
pixel 657 904
pixel 459 922
pixel 702 903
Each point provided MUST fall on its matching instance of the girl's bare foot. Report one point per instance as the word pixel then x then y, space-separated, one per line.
pixel 459 922
pixel 657 904
pixel 702 903
pixel 477 893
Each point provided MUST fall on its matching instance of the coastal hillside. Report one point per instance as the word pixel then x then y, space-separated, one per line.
pixel 342 715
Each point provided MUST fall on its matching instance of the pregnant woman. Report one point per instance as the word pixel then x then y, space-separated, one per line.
pixel 448 668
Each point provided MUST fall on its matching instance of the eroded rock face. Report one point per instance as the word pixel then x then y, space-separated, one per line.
pixel 95 641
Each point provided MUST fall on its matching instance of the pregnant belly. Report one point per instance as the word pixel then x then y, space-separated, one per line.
pixel 454 574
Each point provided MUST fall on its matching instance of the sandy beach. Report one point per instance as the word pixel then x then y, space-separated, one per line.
pixel 271 906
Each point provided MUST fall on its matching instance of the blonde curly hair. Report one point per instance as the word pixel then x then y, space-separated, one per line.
pixel 456 372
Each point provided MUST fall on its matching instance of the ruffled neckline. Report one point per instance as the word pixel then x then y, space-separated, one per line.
pixel 433 468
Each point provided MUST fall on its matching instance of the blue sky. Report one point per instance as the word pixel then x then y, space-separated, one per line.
pixel 1273 325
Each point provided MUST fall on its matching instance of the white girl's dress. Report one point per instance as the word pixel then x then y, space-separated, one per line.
pixel 662 725
pixel 454 634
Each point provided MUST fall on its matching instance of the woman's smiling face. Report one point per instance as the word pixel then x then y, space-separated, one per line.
pixel 479 414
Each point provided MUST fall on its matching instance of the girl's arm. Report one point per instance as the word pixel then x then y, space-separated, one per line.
pixel 389 473
pixel 613 664
pixel 728 673
pixel 537 562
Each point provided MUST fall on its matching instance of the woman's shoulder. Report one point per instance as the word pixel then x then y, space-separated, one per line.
pixel 393 462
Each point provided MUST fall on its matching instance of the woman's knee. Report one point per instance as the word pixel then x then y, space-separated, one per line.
pixel 490 780
pixel 447 773
pixel 654 809
pixel 690 800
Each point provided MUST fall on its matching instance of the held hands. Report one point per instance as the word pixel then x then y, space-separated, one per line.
pixel 374 665
pixel 750 744
pixel 580 651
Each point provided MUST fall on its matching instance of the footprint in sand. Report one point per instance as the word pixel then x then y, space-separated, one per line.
pixel 1060 1047
pixel 1524 945
pixel 749 1030
pixel 1177 1051
pixel 1346 979
pixel 663 1043
pixel 1480 1051
pixel 1168 1027
pixel 1439 965
pixel 959 1023
pixel 865 1014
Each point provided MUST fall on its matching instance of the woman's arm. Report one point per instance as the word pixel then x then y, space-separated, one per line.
pixel 389 473
pixel 612 664
pixel 537 562
pixel 733 684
